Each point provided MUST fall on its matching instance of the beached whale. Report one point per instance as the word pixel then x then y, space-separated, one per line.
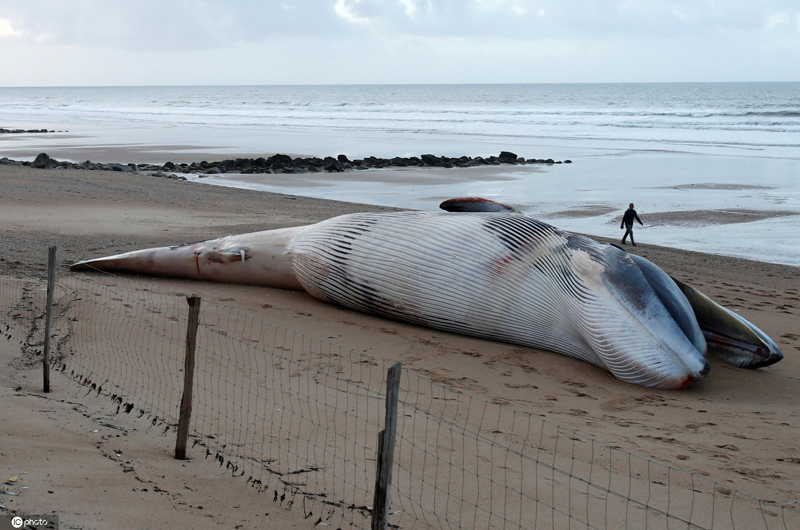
pixel 483 269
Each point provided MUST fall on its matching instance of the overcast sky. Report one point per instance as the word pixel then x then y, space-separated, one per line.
pixel 177 42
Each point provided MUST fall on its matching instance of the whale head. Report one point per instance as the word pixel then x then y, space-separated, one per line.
pixel 634 317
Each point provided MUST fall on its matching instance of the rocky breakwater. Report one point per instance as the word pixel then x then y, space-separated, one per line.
pixel 287 164
pixel 43 161
pixel 21 131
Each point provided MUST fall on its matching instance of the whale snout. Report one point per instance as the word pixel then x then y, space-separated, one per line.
pixel 682 381
pixel 666 369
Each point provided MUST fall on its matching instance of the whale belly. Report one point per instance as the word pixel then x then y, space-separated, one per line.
pixel 456 272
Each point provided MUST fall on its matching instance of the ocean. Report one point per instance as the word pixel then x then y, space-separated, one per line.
pixel 713 167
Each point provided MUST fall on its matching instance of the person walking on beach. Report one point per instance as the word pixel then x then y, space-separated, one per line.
pixel 627 223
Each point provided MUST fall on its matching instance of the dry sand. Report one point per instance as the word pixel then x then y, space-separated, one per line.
pixel 738 427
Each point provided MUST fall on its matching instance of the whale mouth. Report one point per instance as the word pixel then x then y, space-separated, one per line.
pixel 729 335
pixel 740 353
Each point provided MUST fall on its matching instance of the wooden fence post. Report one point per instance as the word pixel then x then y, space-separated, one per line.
pixel 51 280
pixel 386 442
pixel 188 377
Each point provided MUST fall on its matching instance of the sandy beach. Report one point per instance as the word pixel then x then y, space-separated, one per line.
pixel 738 427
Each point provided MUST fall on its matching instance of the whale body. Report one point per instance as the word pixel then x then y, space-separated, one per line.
pixel 485 270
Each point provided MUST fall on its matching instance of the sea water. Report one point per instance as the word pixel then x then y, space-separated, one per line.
pixel 674 149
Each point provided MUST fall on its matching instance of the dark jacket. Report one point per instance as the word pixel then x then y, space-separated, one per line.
pixel 628 218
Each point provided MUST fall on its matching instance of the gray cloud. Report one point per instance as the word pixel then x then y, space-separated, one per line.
pixel 531 19
pixel 153 24
pixel 421 40
pixel 210 23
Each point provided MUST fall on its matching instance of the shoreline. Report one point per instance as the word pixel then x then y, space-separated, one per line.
pixel 728 223
pixel 738 427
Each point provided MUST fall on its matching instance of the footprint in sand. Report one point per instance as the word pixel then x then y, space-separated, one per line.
pixel 759 476
pixel 629 403
pixel 512 385
pixel 619 404
pixel 518 357
pixel 464 383
pixel 577 384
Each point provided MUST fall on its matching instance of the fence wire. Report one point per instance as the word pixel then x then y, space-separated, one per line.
pixel 22 302
pixel 298 418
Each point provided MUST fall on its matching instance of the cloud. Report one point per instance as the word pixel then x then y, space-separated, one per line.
pixel 340 41
pixel 211 23
pixel 7 30
pixel 345 9
pixel 411 6
pixel 167 25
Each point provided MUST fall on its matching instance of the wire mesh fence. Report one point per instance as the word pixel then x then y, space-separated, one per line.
pixel 298 418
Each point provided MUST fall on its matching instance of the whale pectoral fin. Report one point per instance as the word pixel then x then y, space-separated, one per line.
pixel 475 204
pixel 733 338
